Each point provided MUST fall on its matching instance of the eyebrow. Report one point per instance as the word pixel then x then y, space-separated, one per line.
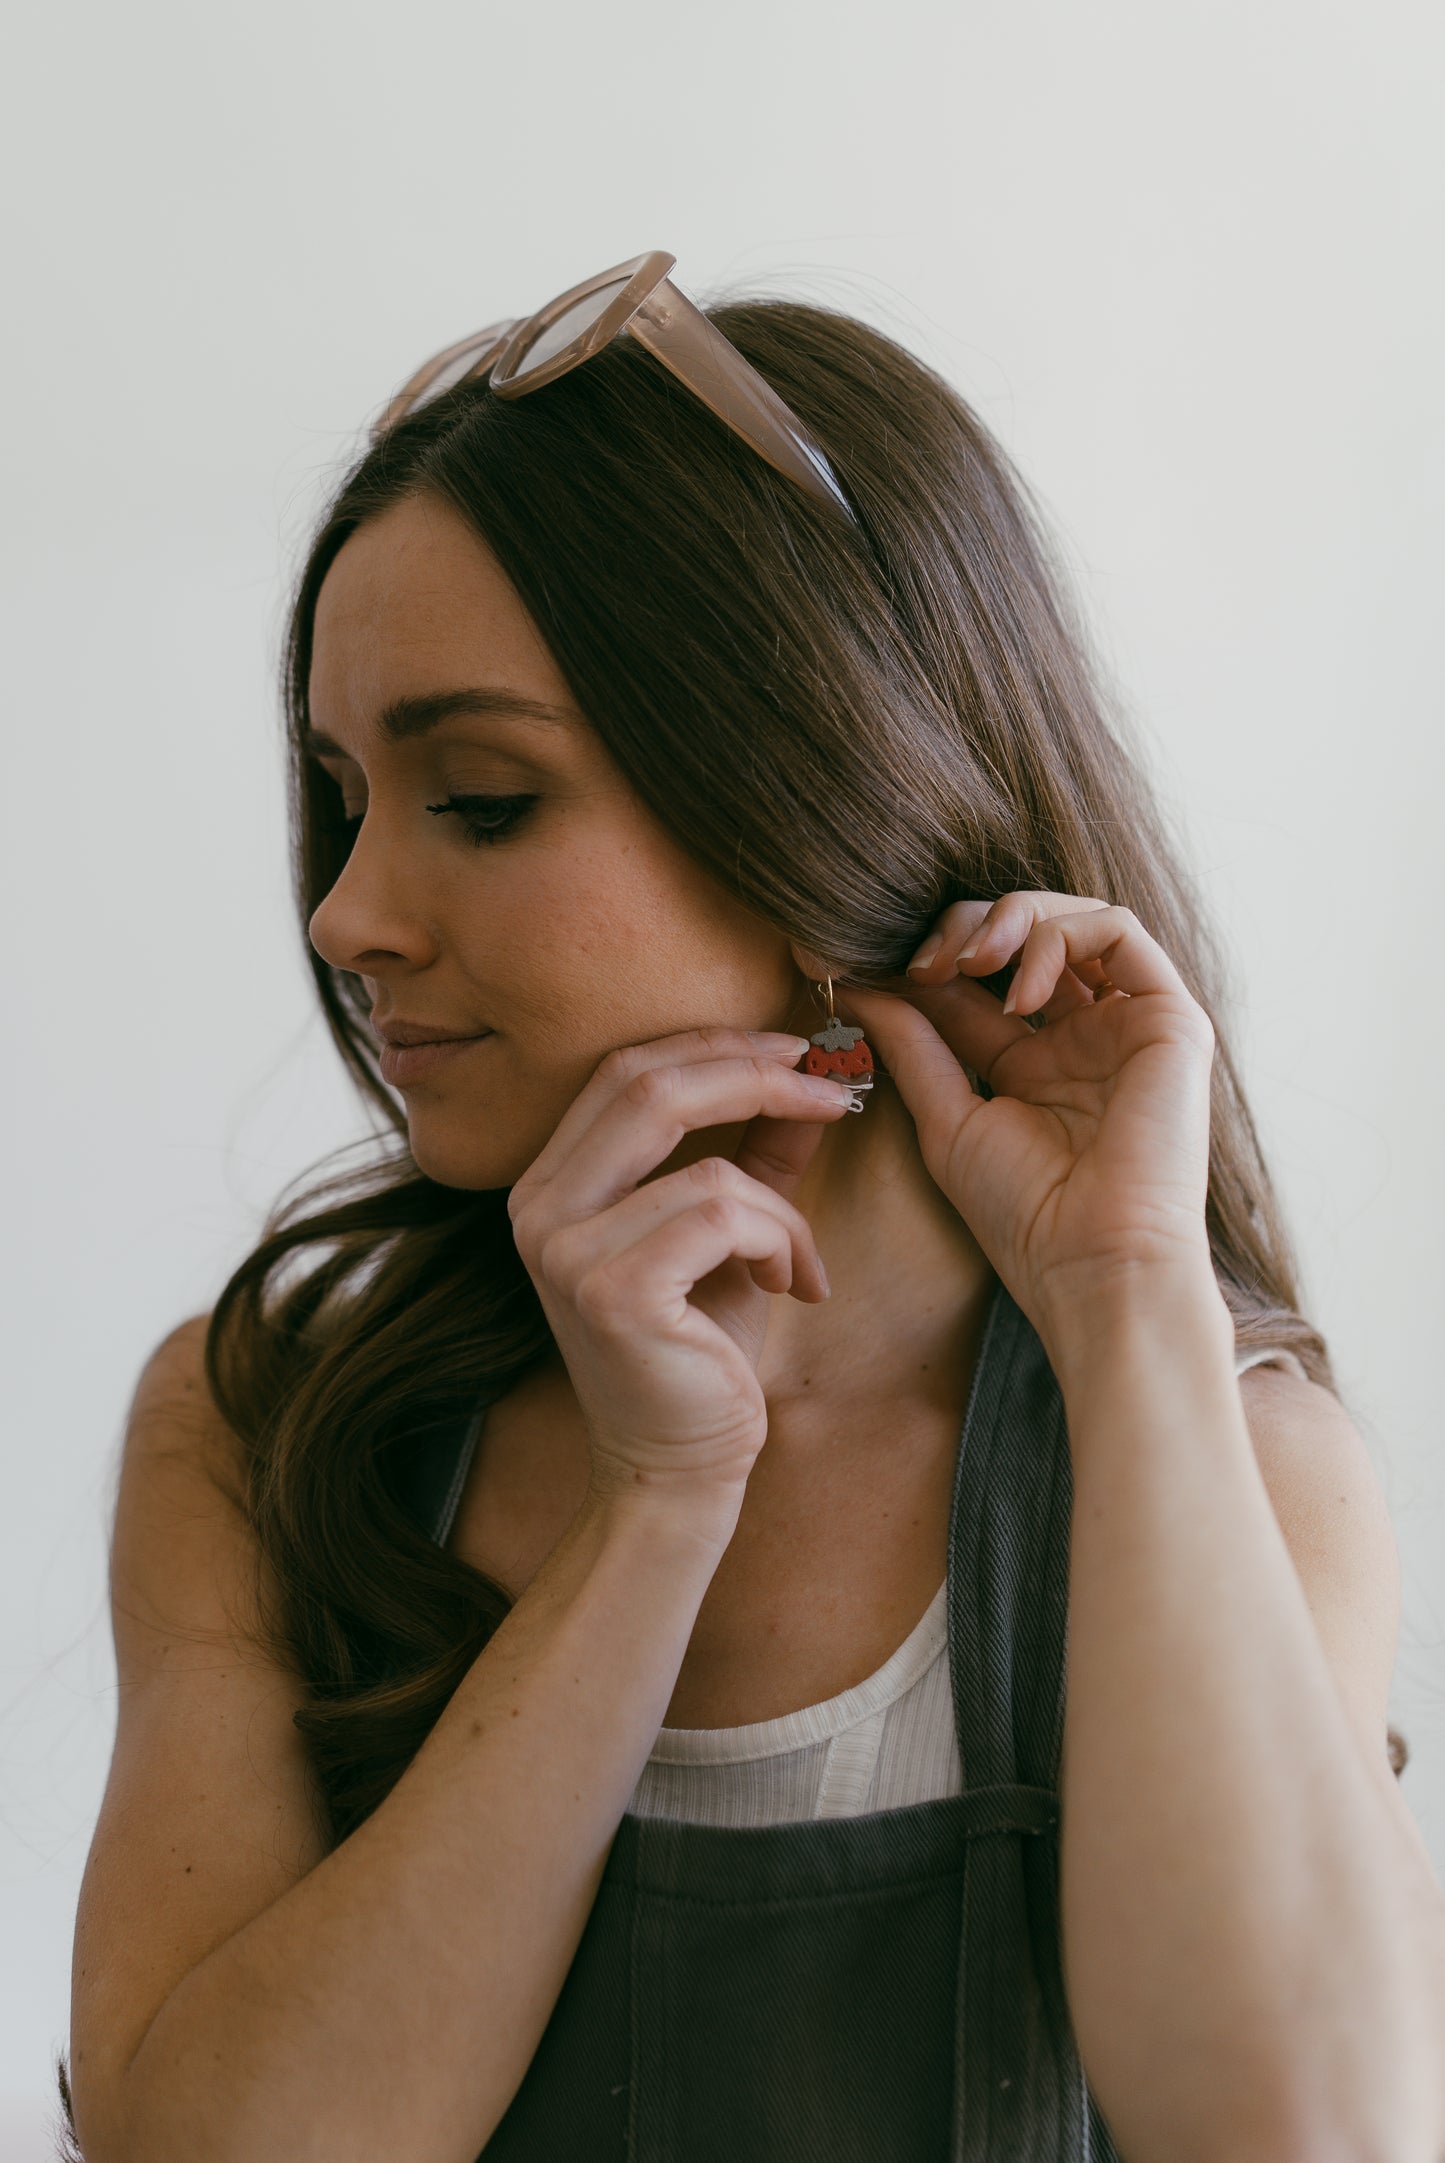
pixel 406 718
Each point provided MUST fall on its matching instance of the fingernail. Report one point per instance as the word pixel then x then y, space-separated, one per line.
pixel 779 1041
pixel 925 953
pixel 823 1274
pixel 966 953
pixel 854 1094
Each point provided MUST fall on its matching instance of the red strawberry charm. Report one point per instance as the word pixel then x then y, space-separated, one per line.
pixel 839 1049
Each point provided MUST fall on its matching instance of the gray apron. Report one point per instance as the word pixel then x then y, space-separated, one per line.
pixel 877 1989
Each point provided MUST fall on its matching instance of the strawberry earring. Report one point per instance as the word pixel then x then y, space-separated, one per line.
pixel 840 1049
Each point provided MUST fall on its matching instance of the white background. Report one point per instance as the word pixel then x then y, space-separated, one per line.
pixel 1185 261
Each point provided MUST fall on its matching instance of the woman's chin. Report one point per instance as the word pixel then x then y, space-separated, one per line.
pixel 453 1153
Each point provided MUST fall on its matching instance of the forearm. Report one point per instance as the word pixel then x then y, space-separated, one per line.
pixel 1242 1936
pixel 391 2001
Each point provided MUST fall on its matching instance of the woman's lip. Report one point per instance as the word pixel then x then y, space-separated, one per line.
pixel 403 1063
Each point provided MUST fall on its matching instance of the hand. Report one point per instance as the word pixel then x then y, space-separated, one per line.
pixel 657 1289
pixel 1088 1167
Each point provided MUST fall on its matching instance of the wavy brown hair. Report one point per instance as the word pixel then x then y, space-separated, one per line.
pixel 767 679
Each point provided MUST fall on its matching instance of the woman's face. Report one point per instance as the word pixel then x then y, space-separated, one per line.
pixel 582 928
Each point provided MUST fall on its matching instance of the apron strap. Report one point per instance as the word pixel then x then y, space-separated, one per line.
pixel 1019 2084
pixel 1008 1810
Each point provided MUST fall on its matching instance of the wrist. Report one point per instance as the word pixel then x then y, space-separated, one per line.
pixel 666 1512
pixel 1134 1312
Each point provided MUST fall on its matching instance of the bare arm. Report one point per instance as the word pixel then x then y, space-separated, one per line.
pixel 239 1994
pixel 1251 1931
pixel 389 2001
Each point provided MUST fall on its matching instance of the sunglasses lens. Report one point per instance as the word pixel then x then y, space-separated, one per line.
pixel 568 327
pixel 456 367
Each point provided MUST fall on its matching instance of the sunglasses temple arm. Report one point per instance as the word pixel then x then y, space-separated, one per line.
pixel 677 332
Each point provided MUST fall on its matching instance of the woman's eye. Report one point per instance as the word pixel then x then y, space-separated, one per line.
pixel 484 818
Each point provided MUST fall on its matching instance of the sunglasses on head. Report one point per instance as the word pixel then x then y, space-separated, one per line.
pixel 637 298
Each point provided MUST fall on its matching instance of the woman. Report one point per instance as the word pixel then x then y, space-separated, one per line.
pixel 575 1702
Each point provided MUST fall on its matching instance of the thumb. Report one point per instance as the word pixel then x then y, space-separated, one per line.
pixel 778 1151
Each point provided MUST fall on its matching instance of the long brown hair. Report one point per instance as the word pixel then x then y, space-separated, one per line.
pixel 766 679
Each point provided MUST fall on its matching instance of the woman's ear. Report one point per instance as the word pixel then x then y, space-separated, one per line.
pixel 812 965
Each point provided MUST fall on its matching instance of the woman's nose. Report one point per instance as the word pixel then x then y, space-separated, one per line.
pixel 370 912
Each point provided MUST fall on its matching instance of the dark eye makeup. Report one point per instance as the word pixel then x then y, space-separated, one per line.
pixel 484 818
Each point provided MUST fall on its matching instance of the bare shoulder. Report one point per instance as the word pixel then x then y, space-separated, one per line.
pixel 206 1817
pixel 1335 1520
pixel 184 1564
pixel 1316 1465
pixel 1332 1510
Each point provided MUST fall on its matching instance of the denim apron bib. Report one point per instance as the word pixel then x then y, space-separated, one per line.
pixel 876 1989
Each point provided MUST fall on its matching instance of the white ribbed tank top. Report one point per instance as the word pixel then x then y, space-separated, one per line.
pixel 887 1742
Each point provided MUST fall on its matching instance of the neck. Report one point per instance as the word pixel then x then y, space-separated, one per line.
pixel 910 1282
pixel 909 1279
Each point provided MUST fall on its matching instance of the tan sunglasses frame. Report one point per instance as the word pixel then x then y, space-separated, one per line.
pixel 675 330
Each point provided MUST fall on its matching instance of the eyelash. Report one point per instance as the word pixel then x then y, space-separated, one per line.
pixel 512 810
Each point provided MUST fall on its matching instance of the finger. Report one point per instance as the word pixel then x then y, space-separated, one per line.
pixel 924 1066
pixel 967 1016
pixel 1069 995
pixel 1130 959
pixel 682 1047
pixel 642 1124
pixel 575 1248
pixel 973 1022
pixel 651 1278
pixel 963 923
pixel 776 1152
pixel 1014 918
pixel 952 928
pixel 1008 925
